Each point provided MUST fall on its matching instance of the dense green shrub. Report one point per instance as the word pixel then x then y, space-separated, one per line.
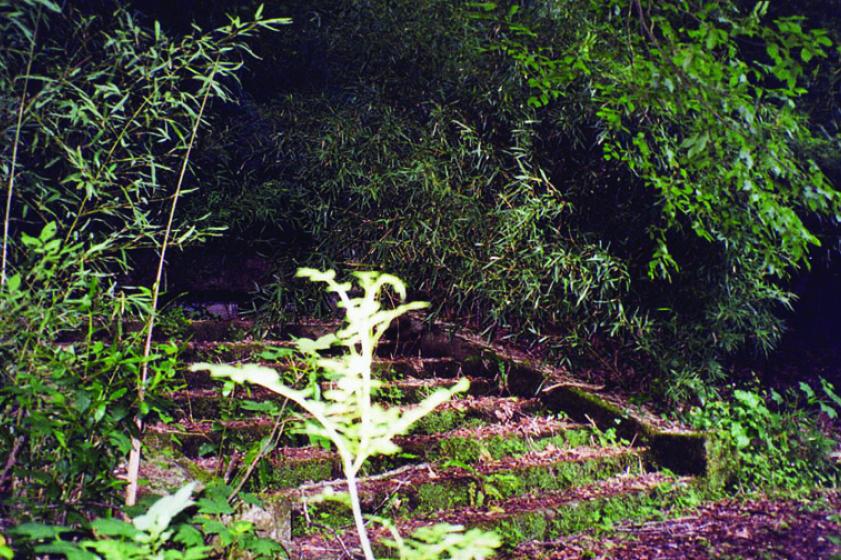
pixel 570 169
pixel 95 113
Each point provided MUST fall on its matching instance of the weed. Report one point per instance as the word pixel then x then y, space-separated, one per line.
pixel 358 427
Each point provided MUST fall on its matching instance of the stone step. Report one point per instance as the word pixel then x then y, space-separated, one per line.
pixel 495 441
pixel 203 403
pixel 288 467
pixel 230 351
pixel 672 445
pixel 536 516
pixel 246 420
pixel 231 328
pixel 430 487
pixel 430 370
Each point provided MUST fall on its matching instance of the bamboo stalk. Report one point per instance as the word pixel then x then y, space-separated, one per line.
pixel 134 455
pixel 7 216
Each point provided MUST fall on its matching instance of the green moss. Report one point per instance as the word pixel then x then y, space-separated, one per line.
pixel 290 474
pixel 480 491
pixel 166 470
pixel 567 475
pixel 496 447
pixel 583 515
pixel 468 450
pixel 446 494
pixel 527 526
pixel 440 421
pixel 433 496
pixel 721 465
pixel 392 394
pixel 566 439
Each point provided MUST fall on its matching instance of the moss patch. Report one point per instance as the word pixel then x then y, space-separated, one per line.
pixel 292 473
pixel 600 514
pixel 441 421
pixel 468 450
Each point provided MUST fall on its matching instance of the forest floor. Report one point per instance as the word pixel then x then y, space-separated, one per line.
pixel 760 528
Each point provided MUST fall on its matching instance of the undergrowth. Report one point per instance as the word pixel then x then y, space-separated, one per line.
pixel 765 441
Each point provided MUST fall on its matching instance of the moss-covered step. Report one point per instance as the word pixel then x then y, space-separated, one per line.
pixel 760 527
pixel 246 419
pixel 672 446
pixel 389 369
pixel 536 516
pixel 165 470
pixel 678 449
pixel 470 411
pixel 430 487
pixel 523 374
pixel 460 432
pixel 286 467
pixel 511 438
pixel 413 390
pixel 194 438
pixel 215 330
pixel 170 327
pixel 207 401
pixel 208 330
pixel 229 351
pixel 173 327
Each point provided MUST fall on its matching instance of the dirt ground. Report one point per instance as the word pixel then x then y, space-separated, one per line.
pixel 758 529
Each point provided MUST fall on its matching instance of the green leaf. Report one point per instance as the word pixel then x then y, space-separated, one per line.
pixel 110 527
pixel 266 407
pixel 39 531
pixel 48 232
pixel 188 536
pixel 160 515
pixel 737 431
pixel 829 411
pixel 119 550
pixel 807 390
pixel 829 390
pixel 215 505
pixel 13 283
pixel 70 551
pixel 484 6
pixel 49 4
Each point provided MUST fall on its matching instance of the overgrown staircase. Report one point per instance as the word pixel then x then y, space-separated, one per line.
pixel 527 451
